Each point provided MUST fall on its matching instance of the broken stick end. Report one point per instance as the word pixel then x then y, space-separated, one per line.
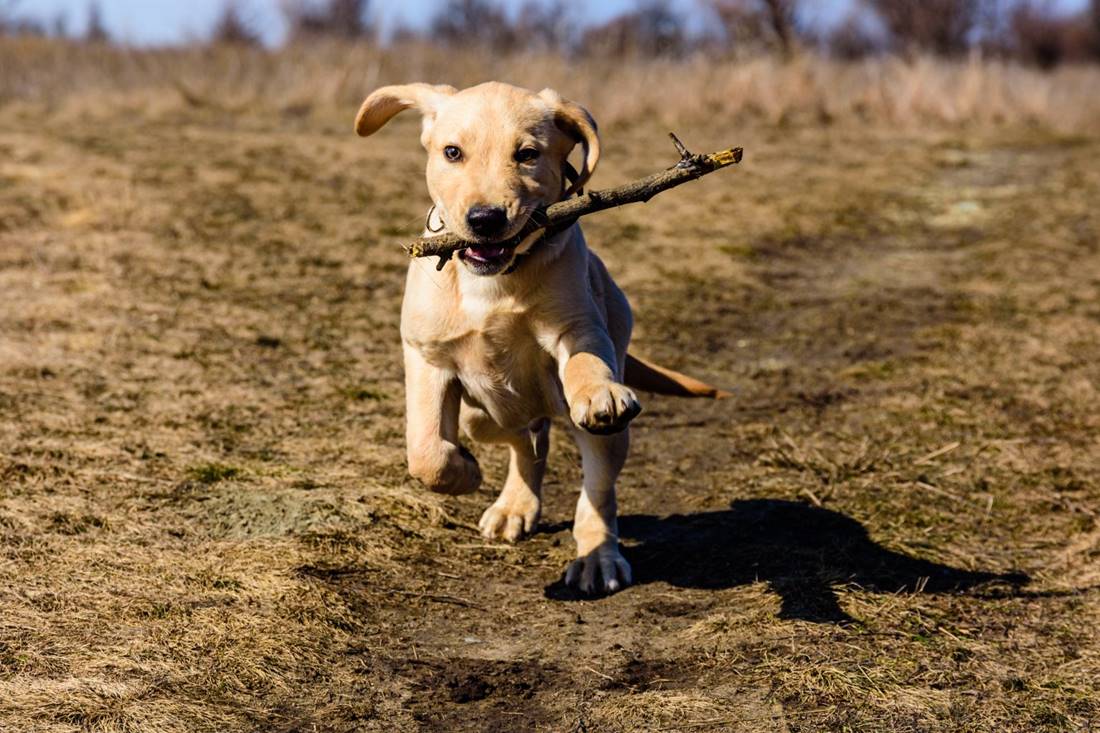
pixel 725 157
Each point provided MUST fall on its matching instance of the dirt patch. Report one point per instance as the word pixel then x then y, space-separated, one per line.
pixel 206 523
pixel 487 695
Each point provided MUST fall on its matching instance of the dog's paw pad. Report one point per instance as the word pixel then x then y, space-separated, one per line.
pixel 606 409
pixel 509 521
pixel 602 571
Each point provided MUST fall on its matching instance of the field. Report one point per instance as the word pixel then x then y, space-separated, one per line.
pixel 205 519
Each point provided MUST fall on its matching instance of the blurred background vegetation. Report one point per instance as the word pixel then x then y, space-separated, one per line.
pixel 892 62
pixel 1043 33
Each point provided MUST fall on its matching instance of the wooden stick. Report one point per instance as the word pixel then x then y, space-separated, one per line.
pixel 560 216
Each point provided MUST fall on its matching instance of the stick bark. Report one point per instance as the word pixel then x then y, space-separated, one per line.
pixel 560 216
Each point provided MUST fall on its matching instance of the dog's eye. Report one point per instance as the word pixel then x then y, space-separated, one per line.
pixel 452 153
pixel 527 155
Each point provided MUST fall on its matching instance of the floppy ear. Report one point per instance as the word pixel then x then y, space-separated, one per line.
pixel 384 103
pixel 575 121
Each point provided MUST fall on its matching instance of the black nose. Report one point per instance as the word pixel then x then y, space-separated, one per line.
pixel 486 221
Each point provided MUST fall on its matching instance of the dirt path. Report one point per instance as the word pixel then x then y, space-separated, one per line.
pixel 206 523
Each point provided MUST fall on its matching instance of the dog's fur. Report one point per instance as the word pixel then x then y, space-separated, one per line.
pixel 499 352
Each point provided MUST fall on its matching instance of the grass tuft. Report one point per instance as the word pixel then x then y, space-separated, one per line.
pixel 212 473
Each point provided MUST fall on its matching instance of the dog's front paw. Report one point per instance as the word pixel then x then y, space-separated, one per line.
pixel 603 570
pixel 453 470
pixel 604 409
pixel 510 519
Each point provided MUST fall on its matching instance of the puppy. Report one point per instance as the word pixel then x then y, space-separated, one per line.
pixel 502 339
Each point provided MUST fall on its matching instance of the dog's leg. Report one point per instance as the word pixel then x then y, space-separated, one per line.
pixel 516 511
pixel 599 566
pixel 435 457
pixel 589 369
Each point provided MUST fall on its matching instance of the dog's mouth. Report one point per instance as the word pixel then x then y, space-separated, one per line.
pixel 492 255
pixel 489 257
pixel 486 259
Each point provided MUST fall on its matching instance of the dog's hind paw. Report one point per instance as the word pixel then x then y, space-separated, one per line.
pixel 604 570
pixel 605 409
pixel 509 520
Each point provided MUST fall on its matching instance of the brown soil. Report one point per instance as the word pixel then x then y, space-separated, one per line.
pixel 206 525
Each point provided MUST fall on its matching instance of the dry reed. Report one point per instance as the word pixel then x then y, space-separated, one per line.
pixel 307 79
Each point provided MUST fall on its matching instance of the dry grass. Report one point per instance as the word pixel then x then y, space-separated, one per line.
pixel 316 78
pixel 205 523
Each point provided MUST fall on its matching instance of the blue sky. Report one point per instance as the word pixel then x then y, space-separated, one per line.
pixel 172 21
pixel 167 21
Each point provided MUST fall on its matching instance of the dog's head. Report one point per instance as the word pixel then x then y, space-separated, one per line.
pixel 496 153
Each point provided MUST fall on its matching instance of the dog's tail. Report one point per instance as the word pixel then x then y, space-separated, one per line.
pixel 643 375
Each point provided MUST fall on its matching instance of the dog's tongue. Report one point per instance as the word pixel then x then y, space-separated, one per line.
pixel 486 252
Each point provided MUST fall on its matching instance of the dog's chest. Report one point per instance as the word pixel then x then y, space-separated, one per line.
pixel 501 357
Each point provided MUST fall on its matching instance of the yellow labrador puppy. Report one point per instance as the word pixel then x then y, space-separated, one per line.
pixel 501 339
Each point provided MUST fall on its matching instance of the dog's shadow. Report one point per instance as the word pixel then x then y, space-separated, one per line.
pixel 800 551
